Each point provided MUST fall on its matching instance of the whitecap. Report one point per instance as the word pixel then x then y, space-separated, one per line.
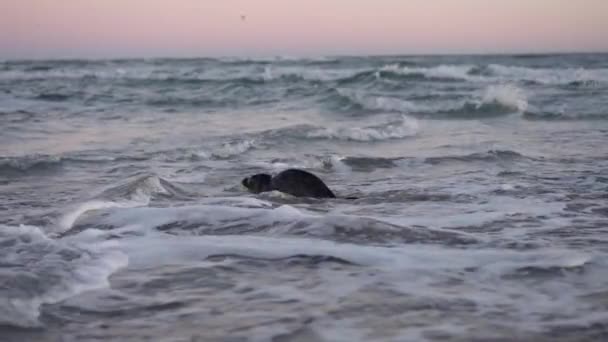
pixel 406 127
pixel 457 72
pixel 234 148
pixel 506 95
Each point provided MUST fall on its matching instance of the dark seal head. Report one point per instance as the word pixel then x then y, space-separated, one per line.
pixel 258 183
pixel 298 183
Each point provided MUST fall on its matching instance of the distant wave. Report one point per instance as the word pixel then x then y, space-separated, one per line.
pixel 303 73
pixel 355 101
pixel 40 164
pixel 279 59
pixel 201 102
pixel 547 76
pixel 370 163
pixel 406 127
pixel 495 100
pixel 489 156
pixel 563 116
pixel 17 116
pixel 29 164
pixel 349 86
pixel 440 72
pixel 54 97
pixel 317 69
pixel 229 149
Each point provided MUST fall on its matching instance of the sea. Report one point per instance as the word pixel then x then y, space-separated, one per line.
pixel 472 199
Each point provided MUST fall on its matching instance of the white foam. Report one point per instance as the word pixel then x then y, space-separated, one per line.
pixel 234 148
pixel 69 277
pixel 465 215
pixel 459 72
pixel 156 249
pixel 247 202
pixel 206 216
pixel 507 95
pixel 337 163
pixel 66 222
pixel 507 187
pixel 406 127
pixel 309 73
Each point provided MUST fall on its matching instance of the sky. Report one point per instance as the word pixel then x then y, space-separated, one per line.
pixel 198 28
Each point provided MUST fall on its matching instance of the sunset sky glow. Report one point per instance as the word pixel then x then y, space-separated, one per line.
pixel 190 28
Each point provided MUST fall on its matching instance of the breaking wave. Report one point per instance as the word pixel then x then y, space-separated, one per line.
pixel 38 270
pixel 493 100
pixel 282 221
pixel 135 192
pixel 406 127
pixel 439 73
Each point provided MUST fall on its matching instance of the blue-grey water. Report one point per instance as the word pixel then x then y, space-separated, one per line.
pixel 482 210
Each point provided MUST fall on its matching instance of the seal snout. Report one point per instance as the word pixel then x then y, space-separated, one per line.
pixel 245 182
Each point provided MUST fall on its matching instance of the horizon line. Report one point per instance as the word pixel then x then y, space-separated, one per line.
pixel 304 57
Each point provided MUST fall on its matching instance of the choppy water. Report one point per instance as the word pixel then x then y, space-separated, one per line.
pixel 482 211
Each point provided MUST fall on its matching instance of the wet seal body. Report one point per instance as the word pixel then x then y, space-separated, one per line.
pixel 295 182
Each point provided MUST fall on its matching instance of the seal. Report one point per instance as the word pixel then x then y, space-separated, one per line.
pixel 295 182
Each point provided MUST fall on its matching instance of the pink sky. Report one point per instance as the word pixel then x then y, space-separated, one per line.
pixel 165 28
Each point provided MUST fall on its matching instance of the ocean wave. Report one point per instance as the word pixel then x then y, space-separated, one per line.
pixel 251 76
pixel 278 59
pixel 29 164
pixel 53 97
pixel 358 101
pixel 283 221
pixel 17 116
pixel 201 102
pixel 406 127
pixel 234 148
pixel 141 188
pixel 438 73
pixel 187 241
pixel 415 195
pixel 135 192
pixel 564 116
pixel 506 95
pixel 306 162
pixel 548 76
pixel 309 74
pixel 545 269
pixel 370 163
pixel 257 71
pixel 494 100
pixel 489 156
pixel 40 164
pixel 219 151
pixel 37 270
